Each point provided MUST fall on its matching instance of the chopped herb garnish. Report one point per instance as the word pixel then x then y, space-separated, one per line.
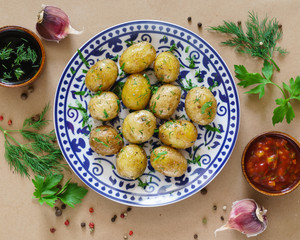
pixel 187 49
pixel 196 160
pixel 129 43
pixel 198 76
pixel 72 70
pixel 99 141
pixel 141 183
pixel 172 48
pixel 189 86
pixel 83 111
pixel 205 106
pixel 84 71
pixel 191 62
pixel 212 129
pixel 81 93
pixel 215 84
pixel 117 89
pixel 159 155
pixel 105 113
pixel 83 59
pixel 115 58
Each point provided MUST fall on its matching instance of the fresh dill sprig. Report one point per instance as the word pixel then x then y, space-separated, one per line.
pixel 259 40
pixel 40 153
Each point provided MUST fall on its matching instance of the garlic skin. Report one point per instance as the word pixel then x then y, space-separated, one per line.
pixel 247 217
pixel 53 24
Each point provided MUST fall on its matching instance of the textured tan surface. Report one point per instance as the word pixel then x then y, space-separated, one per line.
pixel 23 218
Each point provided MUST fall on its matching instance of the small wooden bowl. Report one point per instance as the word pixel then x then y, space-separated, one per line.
pixel 259 188
pixel 14 34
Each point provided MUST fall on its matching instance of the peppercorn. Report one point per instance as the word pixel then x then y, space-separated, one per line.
pixel 199 24
pixel 203 191
pixel 1 118
pixel 67 222
pixel 36 118
pixel 222 218
pixel 92 226
pixel 280 26
pixel 189 19
pixel 125 237
pixel 24 96
pixel 9 122
pixel 113 219
pixel 30 89
pixel 195 236
pixel 122 215
pixel 91 210
pixel 204 220
pixel 215 207
pixel 52 230
pixel 129 209
pixel 130 233
pixel 82 224
pixel 63 206
pixel 239 23
pixel 58 213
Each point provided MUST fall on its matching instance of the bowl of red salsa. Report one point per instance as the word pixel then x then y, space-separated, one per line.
pixel 271 163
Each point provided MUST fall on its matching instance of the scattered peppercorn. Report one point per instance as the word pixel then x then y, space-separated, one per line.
pixel 122 215
pixel 215 207
pixel 239 23
pixel 195 236
pixel 58 212
pixel 199 24
pixel 82 224
pixel 129 209
pixel 91 210
pixel 189 19
pixel 224 208
pixel 9 122
pixel 222 218
pixel 203 191
pixel 52 230
pixel 125 237
pixel 36 118
pixel 1 118
pixel 24 96
pixel 56 208
pixel 91 226
pixel 280 26
pixel 67 222
pixel 30 89
pixel 130 233
pixel 113 219
pixel 63 206
pixel 204 220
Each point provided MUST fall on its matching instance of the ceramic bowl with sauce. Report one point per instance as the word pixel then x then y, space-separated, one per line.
pixel 271 163
pixel 22 56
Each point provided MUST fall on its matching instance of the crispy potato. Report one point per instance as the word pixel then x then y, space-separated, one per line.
pixel 138 127
pixel 136 92
pixel 178 133
pixel 131 161
pixel 168 161
pixel 102 75
pixel 166 67
pixel 200 105
pixel 105 140
pixel 137 57
pixel 164 102
pixel 105 106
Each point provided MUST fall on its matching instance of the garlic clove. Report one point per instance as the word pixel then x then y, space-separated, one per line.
pixel 53 24
pixel 247 217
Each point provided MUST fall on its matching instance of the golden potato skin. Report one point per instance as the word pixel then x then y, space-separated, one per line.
pixel 131 161
pixel 103 74
pixel 166 67
pixel 137 57
pixel 179 134
pixel 104 106
pixel 164 102
pixel 136 92
pixel 200 105
pixel 138 127
pixel 168 161
pixel 105 140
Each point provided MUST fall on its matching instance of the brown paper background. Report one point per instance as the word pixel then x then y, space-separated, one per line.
pixel 21 217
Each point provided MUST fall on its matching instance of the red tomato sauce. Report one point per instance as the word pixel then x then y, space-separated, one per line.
pixel 272 163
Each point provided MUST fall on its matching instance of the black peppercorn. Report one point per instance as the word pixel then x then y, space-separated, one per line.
pixel 195 236
pixel 30 89
pixel 222 218
pixel 239 23
pixel 189 19
pixel 24 96
pixel 58 213
pixel 215 207
pixel 199 24
pixel 129 209
pixel 280 26
pixel 82 224
pixel 203 191
pixel 113 219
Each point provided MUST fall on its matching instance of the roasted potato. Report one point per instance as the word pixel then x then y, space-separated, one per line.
pixel 105 140
pixel 168 161
pixel 104 106
pixel 136 92
pixel 178 134
pixel 164 102
pixel 200 105
pixel 102 75
pixel 138 127
pixel 137 57
pixel 131 161
pixel 166 67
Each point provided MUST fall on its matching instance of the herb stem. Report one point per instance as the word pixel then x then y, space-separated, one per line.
pixel 277 67
pixel 6 134
pixel 285 96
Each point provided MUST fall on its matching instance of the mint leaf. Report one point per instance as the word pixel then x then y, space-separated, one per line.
pixel 73 194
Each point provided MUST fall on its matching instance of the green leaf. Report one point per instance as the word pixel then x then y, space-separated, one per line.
pixel 267 70
pixel 280 112
pixel 289 113
pixel 46 185
pixel 295 87
pixel 48 200
pixel 247 79
pixel 73 194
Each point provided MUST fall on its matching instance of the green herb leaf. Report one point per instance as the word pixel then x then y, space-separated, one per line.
pixel 157 156
pixel 73 194
pixel 205 106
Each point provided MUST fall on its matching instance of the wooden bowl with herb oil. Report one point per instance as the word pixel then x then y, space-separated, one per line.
pixel 271 163
pixel 22 56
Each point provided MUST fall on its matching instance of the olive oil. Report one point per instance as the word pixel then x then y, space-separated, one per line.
pixel 20 56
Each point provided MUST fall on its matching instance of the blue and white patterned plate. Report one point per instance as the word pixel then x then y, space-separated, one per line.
pixel 99 172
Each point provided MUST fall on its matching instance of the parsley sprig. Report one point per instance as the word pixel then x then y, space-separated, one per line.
pixel 40 154
pixel 259 40
pixel 47 190
pixel 259 81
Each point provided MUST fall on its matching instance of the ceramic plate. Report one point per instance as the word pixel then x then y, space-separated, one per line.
pixel 213 148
